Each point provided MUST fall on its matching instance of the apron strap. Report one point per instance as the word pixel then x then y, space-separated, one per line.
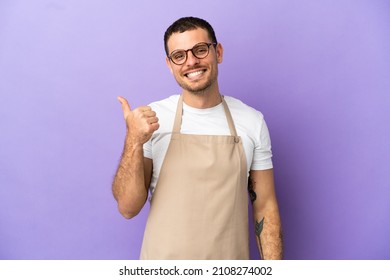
pixel 232 127
pixel 179 113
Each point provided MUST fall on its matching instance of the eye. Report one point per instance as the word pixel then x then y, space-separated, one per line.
pixel 177 56
pixel 201 50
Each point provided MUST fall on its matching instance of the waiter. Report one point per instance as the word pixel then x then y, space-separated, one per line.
pixel 199 154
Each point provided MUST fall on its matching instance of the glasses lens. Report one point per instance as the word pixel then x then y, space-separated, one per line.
pixel 201 50
pixel 179 57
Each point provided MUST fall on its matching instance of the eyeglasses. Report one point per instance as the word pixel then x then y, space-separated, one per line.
pixel 200 51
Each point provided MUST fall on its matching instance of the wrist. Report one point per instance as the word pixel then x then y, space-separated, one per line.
pixel 132 144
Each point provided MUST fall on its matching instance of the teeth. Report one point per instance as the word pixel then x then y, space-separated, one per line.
pixel 193 74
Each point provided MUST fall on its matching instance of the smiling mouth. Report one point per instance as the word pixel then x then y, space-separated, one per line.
pixel 194 74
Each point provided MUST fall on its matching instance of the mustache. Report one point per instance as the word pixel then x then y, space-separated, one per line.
pixel 195 68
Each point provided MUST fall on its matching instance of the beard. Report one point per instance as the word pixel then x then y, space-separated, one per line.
pixel 200 87
pixel 196 89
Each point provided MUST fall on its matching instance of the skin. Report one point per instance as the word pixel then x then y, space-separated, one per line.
pixel 132 179
pixel 201 91
pixel 266 216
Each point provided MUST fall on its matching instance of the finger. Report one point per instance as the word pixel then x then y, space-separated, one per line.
pixel 149 114
pixel 125 105
pixel 152 120
pixel 155 126
pixel 144 108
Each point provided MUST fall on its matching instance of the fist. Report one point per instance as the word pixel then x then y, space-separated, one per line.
pixel 140 122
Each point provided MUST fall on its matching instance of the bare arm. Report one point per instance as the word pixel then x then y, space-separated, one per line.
pixel 132 179
pixel 266 214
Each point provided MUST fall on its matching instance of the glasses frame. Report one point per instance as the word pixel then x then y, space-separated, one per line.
pixel 192 51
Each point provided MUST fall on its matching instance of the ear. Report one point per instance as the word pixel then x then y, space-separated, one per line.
pixel 168 62
pixel 219 51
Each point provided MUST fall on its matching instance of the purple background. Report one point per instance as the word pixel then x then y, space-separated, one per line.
pixel 318 70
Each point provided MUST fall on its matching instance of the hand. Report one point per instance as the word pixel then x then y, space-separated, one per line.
pixel 140 122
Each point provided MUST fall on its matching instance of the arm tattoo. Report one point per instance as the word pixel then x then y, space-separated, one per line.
pixel 252 193
pixel 258 230
pixel 259 227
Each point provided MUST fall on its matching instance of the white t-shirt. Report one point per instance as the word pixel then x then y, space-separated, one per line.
pixel 249 123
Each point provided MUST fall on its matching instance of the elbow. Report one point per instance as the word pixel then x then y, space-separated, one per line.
pixel 127 212
pixel 128 215
pixel 130 207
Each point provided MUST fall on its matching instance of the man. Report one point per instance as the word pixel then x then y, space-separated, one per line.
pixel 194 153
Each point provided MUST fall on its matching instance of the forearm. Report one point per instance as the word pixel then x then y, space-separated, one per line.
pixel 266 216
pixel 268 232
pixel 129 187
pixel 131 182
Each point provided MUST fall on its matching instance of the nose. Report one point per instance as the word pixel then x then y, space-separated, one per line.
pixel 191 59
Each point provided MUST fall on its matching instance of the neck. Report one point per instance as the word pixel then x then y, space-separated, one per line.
pixel 202 100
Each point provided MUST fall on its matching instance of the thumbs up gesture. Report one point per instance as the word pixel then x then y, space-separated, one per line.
pixel 140 122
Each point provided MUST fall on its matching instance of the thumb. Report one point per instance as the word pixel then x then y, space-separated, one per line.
pixel 125 106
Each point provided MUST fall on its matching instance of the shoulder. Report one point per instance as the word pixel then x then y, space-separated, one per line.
pixel 241 110
pixel 165 105
pixel 249 122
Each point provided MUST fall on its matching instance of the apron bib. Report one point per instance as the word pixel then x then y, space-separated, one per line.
pixel 199 209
